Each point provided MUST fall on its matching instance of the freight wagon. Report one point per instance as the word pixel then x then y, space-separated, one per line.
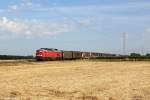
pixel 55 54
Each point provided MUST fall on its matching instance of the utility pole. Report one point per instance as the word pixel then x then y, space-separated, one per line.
pixel 124 43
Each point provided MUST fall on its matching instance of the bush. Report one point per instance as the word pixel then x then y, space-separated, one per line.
pixel 135 55
pixel 147 55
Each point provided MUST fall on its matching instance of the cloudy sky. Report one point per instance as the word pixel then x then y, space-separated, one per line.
pixel 86 25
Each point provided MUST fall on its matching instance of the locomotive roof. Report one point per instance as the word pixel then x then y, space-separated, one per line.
pixel 51 49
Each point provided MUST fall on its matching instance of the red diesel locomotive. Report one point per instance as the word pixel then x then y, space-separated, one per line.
pixel 48 54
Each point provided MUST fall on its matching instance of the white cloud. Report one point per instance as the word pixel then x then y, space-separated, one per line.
pixel 85 22
pixel 13 7
pixel 147 30
pixel 11 26
pixel 24 5
pixel 35 28
pixel 29 4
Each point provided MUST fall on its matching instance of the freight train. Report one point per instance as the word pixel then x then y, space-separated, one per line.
pixel 44 54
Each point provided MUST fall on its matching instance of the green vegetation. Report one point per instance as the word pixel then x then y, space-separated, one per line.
pixel 13 57
pixel 135 54
pixel 131 57
pixel 148 55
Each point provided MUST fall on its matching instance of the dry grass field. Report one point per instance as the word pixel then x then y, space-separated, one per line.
pixel 74 80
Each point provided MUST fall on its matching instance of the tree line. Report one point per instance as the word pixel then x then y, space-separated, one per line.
pixel 130 57
pixel 139 55
pixel 13 57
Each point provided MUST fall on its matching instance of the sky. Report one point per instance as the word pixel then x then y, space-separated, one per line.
pixel 80 25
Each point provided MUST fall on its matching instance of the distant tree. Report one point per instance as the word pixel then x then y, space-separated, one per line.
pixel 148 55
pixel 135 54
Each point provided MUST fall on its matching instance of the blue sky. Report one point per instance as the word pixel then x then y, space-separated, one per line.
pixel 86 25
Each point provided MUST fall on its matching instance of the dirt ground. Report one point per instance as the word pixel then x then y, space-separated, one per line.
pixel 74 80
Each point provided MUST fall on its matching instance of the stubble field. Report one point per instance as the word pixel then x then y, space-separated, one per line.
pixel 74 80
